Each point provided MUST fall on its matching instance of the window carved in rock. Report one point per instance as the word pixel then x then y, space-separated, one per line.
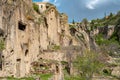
pixel 21 26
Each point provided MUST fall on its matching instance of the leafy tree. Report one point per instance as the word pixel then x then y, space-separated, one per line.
pixel 118 13
pixel 85 21
pixel 118 21
pixel 111 15
pixel 73 22
pixel 87 65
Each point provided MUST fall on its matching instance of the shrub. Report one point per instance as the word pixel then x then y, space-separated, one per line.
pixel 2 45
pixel 36 7
pixel 106 71
pixel 56 47
pixel 88 64
pixel 100 40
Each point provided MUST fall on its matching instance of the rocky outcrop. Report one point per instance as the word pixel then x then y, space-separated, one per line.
pixel 30 36
pixel 27 33
pixel 107 31
pixel 116 71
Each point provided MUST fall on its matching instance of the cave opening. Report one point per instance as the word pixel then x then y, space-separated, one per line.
pixel 21 26
pixel 57 69
pixel 18 60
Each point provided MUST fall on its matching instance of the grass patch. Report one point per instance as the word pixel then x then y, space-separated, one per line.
pixel 45 76
pixel 36 7
pixel 24 78
pixel 33 77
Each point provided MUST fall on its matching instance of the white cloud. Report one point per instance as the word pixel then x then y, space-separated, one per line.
pixel 92 3
pixel 55 2
pixel 46 0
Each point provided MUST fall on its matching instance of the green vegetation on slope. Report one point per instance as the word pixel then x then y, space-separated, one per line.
pixel 88 64
pixel 33 77
pixel 36 7
pixel 2 44
pixel 111 19
pixel 100 40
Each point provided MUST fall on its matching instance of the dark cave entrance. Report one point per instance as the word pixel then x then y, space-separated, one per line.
pixel 26 52
pixel 21 26
pixel 57 69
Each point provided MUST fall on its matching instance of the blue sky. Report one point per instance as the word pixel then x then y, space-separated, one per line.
pixel 90 9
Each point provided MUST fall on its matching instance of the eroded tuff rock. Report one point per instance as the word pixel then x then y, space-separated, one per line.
pixel 29 36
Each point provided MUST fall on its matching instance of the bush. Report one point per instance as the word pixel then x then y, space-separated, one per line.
pixel 2 45
pixel 106 71
pixel 100 40
pixel 36 7
pixel 88 64
pixel 56 47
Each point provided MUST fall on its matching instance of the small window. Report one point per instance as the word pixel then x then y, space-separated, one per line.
pixel 21 26
pixel 26 52
pixel 47 7
pixel 18 60
pixel 52 10
pixel 57 69
pixel 41 58
pixel 62 31
pixel 41 6
pixel 11 51
pixel 41 65
pixel 50 18
pixel 2 57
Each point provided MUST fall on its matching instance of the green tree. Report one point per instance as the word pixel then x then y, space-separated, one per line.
pixel 73 22
pixel 85 21
pixel 118 13
pixel 87 65
pixel 111 15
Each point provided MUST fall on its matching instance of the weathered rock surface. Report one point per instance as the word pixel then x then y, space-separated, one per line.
pixel 116 72
pixel 30 36
pixel 26 34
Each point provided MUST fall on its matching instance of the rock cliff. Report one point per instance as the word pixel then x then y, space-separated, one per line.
pixel 30 36
pixel 41 41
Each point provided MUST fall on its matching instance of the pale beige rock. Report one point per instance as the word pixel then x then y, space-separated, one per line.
pixel 116 71
pixel 25 39
pixel 28 36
